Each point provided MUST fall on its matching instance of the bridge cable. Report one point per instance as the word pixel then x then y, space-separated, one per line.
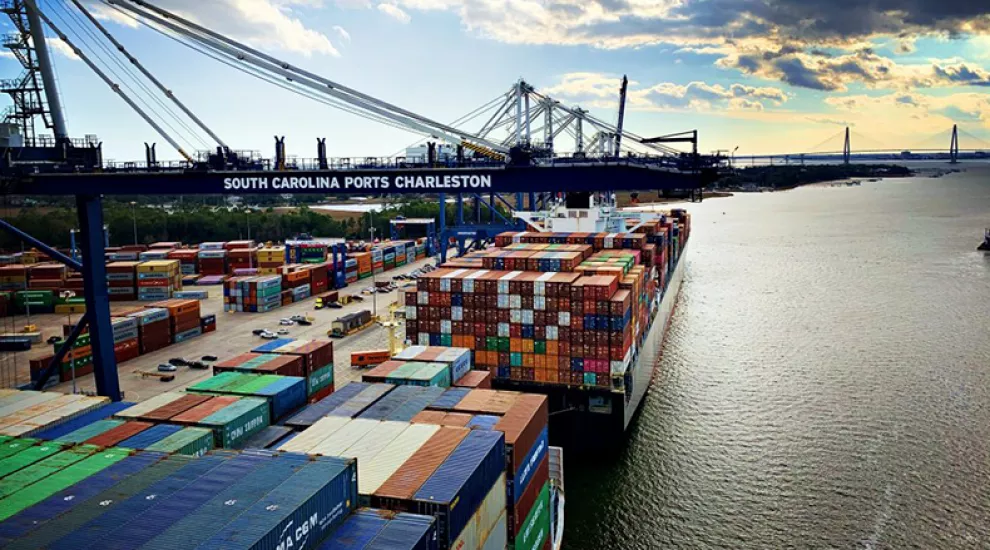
pixel 82 36
pixel 168 93
pixel 113 85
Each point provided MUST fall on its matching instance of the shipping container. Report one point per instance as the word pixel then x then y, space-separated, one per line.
pixel 364 399
pixel 325 406
pixel 187 441
pixel 60 475
pixel 92 430
pixel 89 521
pixel 393 456
pixel 35 517
pixel 237 421
pixel 485 518
pixel 297 514
pixel 460 484
pixel 315 433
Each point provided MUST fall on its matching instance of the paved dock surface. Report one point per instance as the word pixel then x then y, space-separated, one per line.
pixel 232 337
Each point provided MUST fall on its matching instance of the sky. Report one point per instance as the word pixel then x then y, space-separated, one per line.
pixel 763 76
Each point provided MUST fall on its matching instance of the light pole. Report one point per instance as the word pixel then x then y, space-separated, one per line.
pixel 65 295
pixel 374 279
pixel 134 219
pixel 732 162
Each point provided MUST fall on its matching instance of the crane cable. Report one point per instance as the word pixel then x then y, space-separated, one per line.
pixel 87 37
pixel 259 74
pixel 168 93
pixel 464 118
pixel 113 85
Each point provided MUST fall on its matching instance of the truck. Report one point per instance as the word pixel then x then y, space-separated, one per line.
pixel 350 324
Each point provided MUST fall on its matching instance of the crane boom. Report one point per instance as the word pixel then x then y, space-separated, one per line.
pixel 244 53
pixel 622 113
pixel 168 93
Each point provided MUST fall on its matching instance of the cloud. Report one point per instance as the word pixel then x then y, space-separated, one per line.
pixel 601 90
pixel 342 33
pixel 901 109
pixel 62 48
pixel 394 11
pixel 962 74
pixel 266 23
pixel 816 44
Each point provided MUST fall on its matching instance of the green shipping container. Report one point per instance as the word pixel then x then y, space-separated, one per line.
pixel 237 421
pixel 431 374
pixel 319 379
pixel 187 441
pixel 14 446
pixel 41 470
pixel 59 481
pixel 92 430
pixel 540 347
pixel 536 527
pixel 215 383
pixel 251 384
pixel 40 297
pixel 28 456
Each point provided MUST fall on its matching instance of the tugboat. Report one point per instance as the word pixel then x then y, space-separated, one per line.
pixel 985 247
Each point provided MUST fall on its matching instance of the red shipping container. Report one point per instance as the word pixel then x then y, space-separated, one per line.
pixel 201 411
pixel 321 394
pixel 179 406
pixel 115 435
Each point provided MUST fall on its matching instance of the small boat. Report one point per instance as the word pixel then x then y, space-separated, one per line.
pixel 986 242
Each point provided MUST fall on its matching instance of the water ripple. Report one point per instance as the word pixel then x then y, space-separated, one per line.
pixel 825 383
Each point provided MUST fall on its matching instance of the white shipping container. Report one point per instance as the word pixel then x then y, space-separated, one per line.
pixel 485 518
pixel 28 401
pixel 457 313
pixel 515 301
pixel 411 313
pixel 374 442
pixel 315 434
pixel 145 407
pixel 498 537
pixel 345 437
pixel 377 471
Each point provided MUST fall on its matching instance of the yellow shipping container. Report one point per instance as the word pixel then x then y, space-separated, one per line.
pixel 159 266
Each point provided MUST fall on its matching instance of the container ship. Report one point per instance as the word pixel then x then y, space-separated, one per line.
pixel 576 309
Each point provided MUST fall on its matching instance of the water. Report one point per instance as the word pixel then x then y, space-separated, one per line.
pixel 825 384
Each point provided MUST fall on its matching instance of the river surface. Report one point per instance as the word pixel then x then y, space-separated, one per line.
pixel 825 382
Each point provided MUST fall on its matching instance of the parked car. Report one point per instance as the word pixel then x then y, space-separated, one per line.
pixel 165 367
pixel 208 358
pixel 198 365
pixel 283 331
pixel 258 331
pixel 285 322
pixel 178 361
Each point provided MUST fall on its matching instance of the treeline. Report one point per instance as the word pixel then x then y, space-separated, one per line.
pixel 783 177
pixel 192 222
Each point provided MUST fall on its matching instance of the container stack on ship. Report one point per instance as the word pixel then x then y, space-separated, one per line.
pixel 576 309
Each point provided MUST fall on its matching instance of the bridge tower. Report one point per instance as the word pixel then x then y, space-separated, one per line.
pixel 954 145
pixel 846 148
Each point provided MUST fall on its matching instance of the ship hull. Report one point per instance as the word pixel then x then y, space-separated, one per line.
pixel 586 420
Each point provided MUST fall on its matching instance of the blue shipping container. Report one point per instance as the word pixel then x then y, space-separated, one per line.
pixel 297 514
pixel 213 516
pixel 284 395
pixel 150 436
pixel 525 471
pixel 357 531
pixel 306 417
pixel 449 399
pixel 85 524
pixel 390 402
pixel 483 422
pixel 454 491
pixel 81 421
pixel 273 345
pixel 407 532
pixel 36 516
pixel 416 404
pixel 137 520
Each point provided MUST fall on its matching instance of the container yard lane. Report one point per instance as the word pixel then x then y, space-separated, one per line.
pixel 232 337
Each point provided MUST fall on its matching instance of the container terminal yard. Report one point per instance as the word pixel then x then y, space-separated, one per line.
pixel 446 443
